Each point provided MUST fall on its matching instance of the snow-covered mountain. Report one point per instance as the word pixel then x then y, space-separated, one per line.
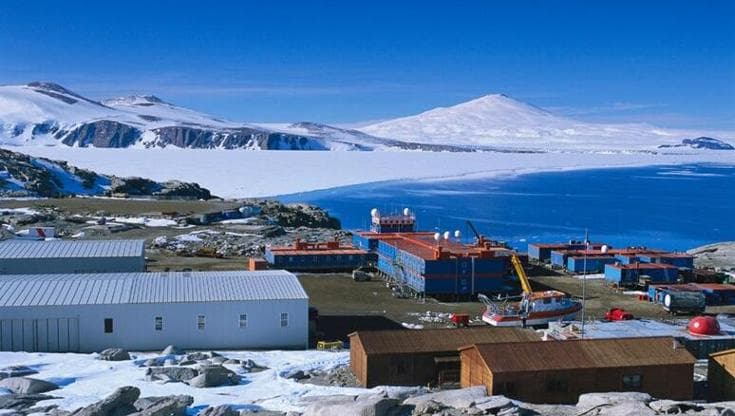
pixel 501 121
pixel 42 113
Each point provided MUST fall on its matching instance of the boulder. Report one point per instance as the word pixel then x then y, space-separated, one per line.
pixel 461 398
pixel 251 366
pixel 119 403
pixel 16 371
pixel 213 376
pixel 232 361
pixel 162 406
pixel 223 410
pixel 351 405
pixel 589 401
pixel 673 407
pixel 172 350
pixel 626 408
pixel 494 404
pixel 114 354
pixel 21 401
pixel 25 385
pixel 217 360
pixel 177 374
pixel 297 375
pixel 261 412
pixel 197 356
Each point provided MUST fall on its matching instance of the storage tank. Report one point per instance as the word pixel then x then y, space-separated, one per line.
pixel 675 301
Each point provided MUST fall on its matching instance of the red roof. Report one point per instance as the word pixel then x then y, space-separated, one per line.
pixel 423 245
pixel 290 251
pixel 643 266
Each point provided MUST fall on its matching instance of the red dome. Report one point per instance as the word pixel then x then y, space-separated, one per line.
pixel 704 325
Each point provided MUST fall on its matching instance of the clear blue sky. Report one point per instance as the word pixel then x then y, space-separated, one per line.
pixel 667 62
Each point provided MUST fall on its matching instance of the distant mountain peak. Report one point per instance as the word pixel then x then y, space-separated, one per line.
pixel 143 100
pixel 55 90
pixel 48 85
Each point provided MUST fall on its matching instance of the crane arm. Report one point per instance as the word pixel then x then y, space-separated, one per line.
pixel 474 230
pixel 518 266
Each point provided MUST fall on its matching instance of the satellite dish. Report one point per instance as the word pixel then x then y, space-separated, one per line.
pixel 374 212
pixel 406 212
pixel 457 234
pixel 437 237
pixel 603 249
pixel 446 235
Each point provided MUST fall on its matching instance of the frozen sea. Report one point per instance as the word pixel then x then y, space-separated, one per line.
pixel 669 207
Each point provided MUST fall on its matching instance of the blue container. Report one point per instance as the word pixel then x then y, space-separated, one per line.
pixel 558 258
pixel 594 264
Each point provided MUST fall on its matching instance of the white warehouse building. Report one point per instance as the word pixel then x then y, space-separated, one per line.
pixel 147 311
pixel 71 256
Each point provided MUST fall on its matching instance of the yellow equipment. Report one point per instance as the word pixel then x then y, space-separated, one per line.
pixel 518 266
pixel 329 345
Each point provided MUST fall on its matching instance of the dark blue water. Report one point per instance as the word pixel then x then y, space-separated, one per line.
pixel 667 207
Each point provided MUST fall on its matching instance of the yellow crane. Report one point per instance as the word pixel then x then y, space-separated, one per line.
pixel 518 266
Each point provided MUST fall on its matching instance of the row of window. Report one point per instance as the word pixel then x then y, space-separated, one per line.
pixel 201 322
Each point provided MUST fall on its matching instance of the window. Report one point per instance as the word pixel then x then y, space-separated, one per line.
pixel 108 325
pixel 159 323
pixel 631 381
pixel 243 320
pixel 201 322
pixel 284 319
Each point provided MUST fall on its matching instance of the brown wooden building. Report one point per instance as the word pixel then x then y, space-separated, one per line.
pixel 420 357
pixel 559 371
pixel 721 376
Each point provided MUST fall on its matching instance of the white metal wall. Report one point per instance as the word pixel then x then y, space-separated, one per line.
pixel 80 328
pixel 73 265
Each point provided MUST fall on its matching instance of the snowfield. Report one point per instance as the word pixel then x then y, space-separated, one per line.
pixel 85 380
pixel 239 173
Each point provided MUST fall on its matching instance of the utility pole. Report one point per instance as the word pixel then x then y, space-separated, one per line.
pixel 584 277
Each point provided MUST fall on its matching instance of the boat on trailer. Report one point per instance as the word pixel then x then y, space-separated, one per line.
pixel 533 308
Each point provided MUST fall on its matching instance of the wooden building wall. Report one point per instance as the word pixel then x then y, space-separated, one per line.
pixel 565 386
pixel 721 377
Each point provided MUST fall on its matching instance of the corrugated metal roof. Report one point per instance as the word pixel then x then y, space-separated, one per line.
pixel 437 340
pixel 588 353
pixel 132 288
pixel 19 249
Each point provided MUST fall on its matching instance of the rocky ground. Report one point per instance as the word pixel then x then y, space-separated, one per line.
pixel 720 256
pixel 26 176
pixel 171 233
pixel 27 395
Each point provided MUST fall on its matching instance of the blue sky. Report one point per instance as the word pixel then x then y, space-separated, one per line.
pixel 666 62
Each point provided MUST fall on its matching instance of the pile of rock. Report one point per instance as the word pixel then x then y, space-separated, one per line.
pixel 475 401
pixel 197 369
pixel 114 354
pixel 230 240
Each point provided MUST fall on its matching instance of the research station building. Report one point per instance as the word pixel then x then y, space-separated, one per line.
pixel 147 311
pixel 419 357
pixel 71 256
pixel 559 371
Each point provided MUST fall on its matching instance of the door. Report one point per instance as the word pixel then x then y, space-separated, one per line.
pixel 40 335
